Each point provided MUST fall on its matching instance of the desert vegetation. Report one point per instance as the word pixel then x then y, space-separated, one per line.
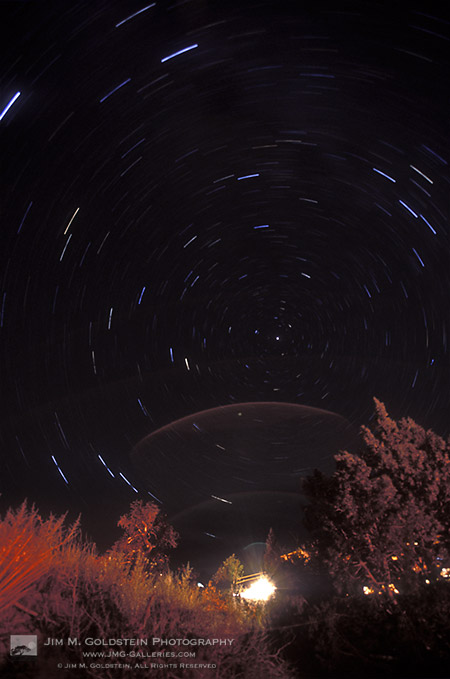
pixel 373 580
pixel 367 595
pixel 57 586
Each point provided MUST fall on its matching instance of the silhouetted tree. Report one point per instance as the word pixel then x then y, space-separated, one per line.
pixel 272 553
pixel 147 534
pixel 383 518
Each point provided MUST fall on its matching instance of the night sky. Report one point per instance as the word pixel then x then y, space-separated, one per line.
pixel 209 204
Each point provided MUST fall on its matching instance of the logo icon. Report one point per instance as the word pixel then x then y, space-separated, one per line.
pixel 23 646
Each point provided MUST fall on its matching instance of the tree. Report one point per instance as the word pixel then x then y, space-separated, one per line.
pixel 147 534
pixel 228 574
pixel 272 553
pixel 382 520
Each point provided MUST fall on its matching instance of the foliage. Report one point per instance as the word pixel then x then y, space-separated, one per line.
pixel 228 574
pixel 28 544
pixel 383 518
pixel 146 533
pixel 86 595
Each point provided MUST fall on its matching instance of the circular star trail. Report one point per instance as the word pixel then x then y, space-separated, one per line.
pixel 214 204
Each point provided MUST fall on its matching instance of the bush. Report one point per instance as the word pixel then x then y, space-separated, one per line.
pixel 28 545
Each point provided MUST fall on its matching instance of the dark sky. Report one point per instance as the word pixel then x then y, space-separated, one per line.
pixel 214 203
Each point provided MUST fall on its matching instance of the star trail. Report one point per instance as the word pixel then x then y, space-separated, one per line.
pixel 213 205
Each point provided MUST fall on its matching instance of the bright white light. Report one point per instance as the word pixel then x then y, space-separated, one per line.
pixel 8 106
pixel 260 590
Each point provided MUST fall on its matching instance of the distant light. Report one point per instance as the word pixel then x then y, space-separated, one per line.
pixel 126 481
pixel 134 15
pixel 114 90
pixel 408 208
pixel 105 465
pixel 142 294
pixel 428 224
pixel 189 241
pixel 261 590
pixel 393 588
pixel 228 502
pixel 175 54
pixel 421 262
pixel 421 173
pixel 8 106
pixel 199 584
pixel 59 469
pixel 384 175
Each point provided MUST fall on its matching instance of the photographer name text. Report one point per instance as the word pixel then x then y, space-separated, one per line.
pixel 154 641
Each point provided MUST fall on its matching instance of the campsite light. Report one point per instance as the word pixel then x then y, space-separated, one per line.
pixel 260 590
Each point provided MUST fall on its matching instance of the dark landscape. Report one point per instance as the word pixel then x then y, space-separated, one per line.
pixel 224 361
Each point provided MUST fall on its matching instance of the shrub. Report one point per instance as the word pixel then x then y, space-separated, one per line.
pixel 28 546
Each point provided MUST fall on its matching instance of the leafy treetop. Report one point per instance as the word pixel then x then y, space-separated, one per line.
pixel 147 534
pixel 228 574
pixel 383 517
